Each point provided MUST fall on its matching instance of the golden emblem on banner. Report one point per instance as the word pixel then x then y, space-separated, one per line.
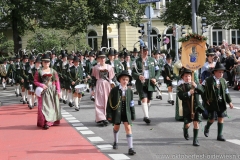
pixel 193 54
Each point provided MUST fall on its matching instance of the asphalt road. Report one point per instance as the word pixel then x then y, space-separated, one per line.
pixel 162 139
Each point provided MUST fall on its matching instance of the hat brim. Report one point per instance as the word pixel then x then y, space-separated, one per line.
pixel 101 56
pixel 219 69
pixel 211 54
pixel 130 77
pixel 45 59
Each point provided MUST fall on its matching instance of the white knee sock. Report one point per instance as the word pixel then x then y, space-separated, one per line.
pixel 70 97
pixel 23 96
pixel 171 95
pixel 17 89
pixel 66 95
pixel 75 99
pixel 63 94
pixel 149 105
pixel 145 109
pixel 4 84
pixel 29 97
pixel 33 99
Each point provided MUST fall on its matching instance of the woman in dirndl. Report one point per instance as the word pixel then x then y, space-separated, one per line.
pixel 102 76
pixel 48 92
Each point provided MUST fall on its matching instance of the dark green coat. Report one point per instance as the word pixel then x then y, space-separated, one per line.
pixel 118 67
pixel 160 63
pixel 62 72
pixel 24 74
pixel 115 115
pixel 210 94
pixel 152 74
pixel 89 66
pixel 31 74
pixel 74 76
pixel 125 65
pixel 182 92
pixel 14 71
pixel 168 72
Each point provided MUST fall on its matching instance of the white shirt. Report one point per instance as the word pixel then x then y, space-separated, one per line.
pixel 123 90
pixel 129 70
pixel 146 72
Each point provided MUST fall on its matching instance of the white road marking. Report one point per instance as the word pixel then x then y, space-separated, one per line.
pixel 105 146
pixel 235 141
pixel 81 128
pixel 95 139
pixel 67 115
pixel 71 121
pixel 77 124
pixel 118 156
pixel 87 132
pixel 70 118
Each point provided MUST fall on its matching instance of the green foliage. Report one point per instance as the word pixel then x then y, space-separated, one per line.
pixel 223 13
pixel 192 35
pixel 5 44
pixel 47 39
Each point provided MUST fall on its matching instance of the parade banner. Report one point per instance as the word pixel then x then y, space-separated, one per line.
pixel 193 54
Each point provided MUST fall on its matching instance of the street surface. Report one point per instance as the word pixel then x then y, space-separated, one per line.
pixel 162 139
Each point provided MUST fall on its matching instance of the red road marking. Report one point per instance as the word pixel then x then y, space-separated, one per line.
pixel 21 139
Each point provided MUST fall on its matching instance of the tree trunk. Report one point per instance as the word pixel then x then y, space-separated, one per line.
pixel 104 36
pixel 16 36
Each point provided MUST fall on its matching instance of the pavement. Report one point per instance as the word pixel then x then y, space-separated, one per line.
pixel 79 137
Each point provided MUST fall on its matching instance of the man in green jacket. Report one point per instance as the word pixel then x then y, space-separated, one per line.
pixel 216 96
pixel 145 72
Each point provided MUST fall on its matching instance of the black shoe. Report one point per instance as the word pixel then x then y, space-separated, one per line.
pixel 24 102
pixel 35 104
pixel 92 98
pixel 131 152
pixel 87 90
pixel 157 97
pixel 160 97
pixel 60 100
pixel 172 102
pixel 105 123
pixel 20 94
pixel 147 120
pixel 27 102
pixel 83 94
pixel 77 109
pixel 206 132
pixel 139 102
pixel 169 101
pixel 221 138
pixel 135 92
pixel 64 101
pixel 186 135
pixel 196 143
pixel 30 107
pixel 4 88
pixel 11 84
pixel 46 127
pixel 21 100
pixel 17 95
pixel 70 104
pixel 115 145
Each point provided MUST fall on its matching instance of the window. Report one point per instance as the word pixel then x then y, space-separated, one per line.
pixel 109 43
pixel 92 40
pixel 153 39
pixel 171 43
pixel 235 37
pixel 217 37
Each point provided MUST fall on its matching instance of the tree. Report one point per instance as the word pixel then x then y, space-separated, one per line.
pixel 19 16
pixel 5 44
pixel 114 11
pixel 47 39
pixel 222 13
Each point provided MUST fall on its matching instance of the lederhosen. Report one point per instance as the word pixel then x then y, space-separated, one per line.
pixel 168 73
pixel 76 75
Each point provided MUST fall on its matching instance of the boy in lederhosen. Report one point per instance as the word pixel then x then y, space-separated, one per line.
pixel 120 108
pixel 185 91
pixel 216 96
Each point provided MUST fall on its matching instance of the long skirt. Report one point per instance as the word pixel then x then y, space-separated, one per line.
pixel 49 111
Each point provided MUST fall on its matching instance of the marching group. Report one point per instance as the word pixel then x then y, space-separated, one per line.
pixel 112 78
